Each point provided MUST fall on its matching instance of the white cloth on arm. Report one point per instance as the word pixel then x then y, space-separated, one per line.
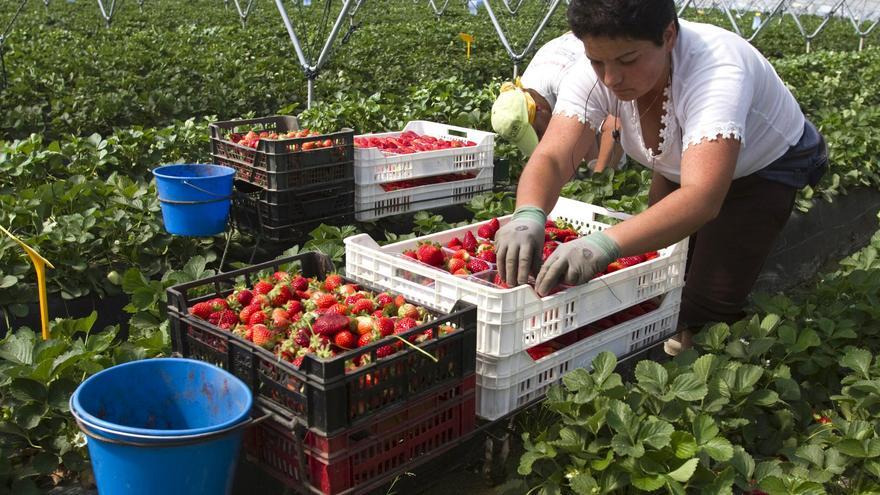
pixel 721 86
pixel 550 65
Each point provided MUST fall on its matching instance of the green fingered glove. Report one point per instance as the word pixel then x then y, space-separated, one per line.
pixel 518 245
pixel 576 262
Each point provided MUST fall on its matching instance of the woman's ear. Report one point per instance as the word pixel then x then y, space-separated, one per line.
pixel 669 36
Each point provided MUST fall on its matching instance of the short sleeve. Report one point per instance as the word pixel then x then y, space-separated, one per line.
pixel 715 101
pixel 582 96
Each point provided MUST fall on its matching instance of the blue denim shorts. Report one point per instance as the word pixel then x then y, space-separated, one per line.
pixel 803 164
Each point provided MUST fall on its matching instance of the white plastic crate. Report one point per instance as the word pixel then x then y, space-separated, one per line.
pixel 372 202
pixel 371 166
pixel 511 320
pixel 507 384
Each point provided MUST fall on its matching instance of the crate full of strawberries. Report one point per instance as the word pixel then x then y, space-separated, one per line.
pixel 318 346
pixel 421 149
pixel 275 153
pixel 439 269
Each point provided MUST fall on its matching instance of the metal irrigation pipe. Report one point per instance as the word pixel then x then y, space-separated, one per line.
pixel 809 37
pixel 518 57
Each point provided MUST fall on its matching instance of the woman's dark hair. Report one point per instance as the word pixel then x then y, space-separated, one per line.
pixel 635 19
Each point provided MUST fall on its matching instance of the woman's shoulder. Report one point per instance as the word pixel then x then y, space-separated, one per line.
pixel 699 42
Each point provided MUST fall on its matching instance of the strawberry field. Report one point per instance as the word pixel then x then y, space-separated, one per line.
pixel 360 307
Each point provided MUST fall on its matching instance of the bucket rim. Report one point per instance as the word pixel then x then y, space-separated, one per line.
pixel 225 171
pixel 89 420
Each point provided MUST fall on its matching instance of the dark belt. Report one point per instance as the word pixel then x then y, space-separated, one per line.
pixel 803 164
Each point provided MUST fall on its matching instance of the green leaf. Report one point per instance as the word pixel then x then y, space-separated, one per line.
pixel 718 448
pixel 858 360
pixel 45 463
pixel 705 429
pixel 30 415
pixel 769 322
pixel 788 389
pixel 624 445
pixel 527 460
pixel 27 390
pixel 60 392
pixel 763 397
pixel 603 366
pixel 811 453
pixel 134 280
pixel 722 484
pixel 651 376
pixel 19 347
pixel 705 366
pixel 7 281
pixel 584 484
pixel 743 463
pixel 602 464
pixel 648 483
pixel 578 380
pixel 655 432
pixel 689 387
pixel 683 444
pixel 746 377
pixel 684 472
pixel 620 418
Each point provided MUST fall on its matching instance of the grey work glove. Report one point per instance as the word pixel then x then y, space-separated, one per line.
pixel 576 262
pixel 519 243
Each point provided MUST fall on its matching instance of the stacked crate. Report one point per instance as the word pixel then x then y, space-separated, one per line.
pixel 335 430
pixel 514 321
pixel 286 186
pixel 395 182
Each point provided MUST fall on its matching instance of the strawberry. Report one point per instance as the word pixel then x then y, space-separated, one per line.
pixel 330 323
pixel 565 235
pixel 302 337
pixel 339 308
pixel 280 319
pixel 455 264
pixel 348 290
pixel 353 298
pixel 488 256
pixel 228 319
pixel 363 306
pixel 551 234
pixel 614 266
pixel 263 287
pixel 324 300
pixel 384 351
pixel 430 254
pixel 245 314
pixel 461 272
pixel 469 242
pixel 651 255
pixel 462 254
pixel 477 265
pixel 279 295
pixel 385 326
pixel 408 311
pixel 332 282
pixel 631 260
pixel 300 283
pixel 298 361
pixel 363 325
pixel 281 276
pixel 485 231
pixel 410 253
pixel 218 304
pixel 549 223
pixel 495 224
pixel 365 339
pixel 384 299
pixel 244 297
pixel 454 243
pixel 201 310
pixel 345 340
pixel 549 247
pixel 263 337
pixel 294 307
pixel 257 317
pixel 497 280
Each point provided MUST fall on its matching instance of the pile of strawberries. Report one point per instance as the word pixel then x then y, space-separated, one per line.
pixel 409 142
pixel 293 316
pixel 471 255
pixel 539 351
pixel 424 181
pixel 252 138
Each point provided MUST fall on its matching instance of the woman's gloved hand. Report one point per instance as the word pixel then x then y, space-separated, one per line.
pixel 576 262
pixel 519 243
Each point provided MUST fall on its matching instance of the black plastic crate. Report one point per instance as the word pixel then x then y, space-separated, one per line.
pixel 285 215
pixel 282 163
pixel 321 394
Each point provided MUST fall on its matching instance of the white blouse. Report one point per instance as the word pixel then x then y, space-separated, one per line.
pixel 721 86
pixel 551 64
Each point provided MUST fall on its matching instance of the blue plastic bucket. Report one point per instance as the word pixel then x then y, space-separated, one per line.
pixel 195 198
pixel 163 426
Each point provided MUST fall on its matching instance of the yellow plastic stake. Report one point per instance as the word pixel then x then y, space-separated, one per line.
pixel 40 264
pixel 467 39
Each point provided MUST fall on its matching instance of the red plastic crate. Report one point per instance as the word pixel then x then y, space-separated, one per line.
pixel 365 457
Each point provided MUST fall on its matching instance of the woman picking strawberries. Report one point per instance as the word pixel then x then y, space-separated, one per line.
pixel 727 143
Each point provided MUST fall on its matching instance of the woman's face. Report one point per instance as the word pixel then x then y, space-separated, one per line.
pixel 630 68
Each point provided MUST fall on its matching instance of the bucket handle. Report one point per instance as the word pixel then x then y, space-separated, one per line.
pixel 218 197
pixel 179 441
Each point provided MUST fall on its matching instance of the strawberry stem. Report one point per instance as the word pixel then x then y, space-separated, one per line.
pixel 398 337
